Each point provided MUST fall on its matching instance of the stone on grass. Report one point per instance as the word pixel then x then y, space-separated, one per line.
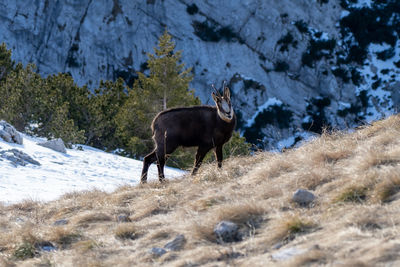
pixel 303 197
pixel 9 134
pixel 287 253
pixel 227 231
pixel 55 144
pixel 158 252
pixel 61 222
pixel 176 244
pixel 123 218
pixel 46 246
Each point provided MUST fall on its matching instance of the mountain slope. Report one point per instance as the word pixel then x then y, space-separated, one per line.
pixel 354 220
pixel 293 66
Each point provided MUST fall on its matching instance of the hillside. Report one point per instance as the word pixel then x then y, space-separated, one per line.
pixel 353 221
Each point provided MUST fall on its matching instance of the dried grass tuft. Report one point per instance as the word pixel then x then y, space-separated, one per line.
pixel 314 257
pixel 92 217
pixel 85 245
pixel 63 236
pixel 127 231
pixel 385 190
pixel 355 193
pixel 288 228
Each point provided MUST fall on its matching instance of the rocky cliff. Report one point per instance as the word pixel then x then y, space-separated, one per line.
pixel 293 65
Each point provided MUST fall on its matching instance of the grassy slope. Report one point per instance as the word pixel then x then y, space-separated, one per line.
pixel 354 221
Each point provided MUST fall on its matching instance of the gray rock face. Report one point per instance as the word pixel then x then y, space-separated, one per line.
pixel 234 41
pixel 303 197
pixel 227 231
pixel 9 133
pixel 55 144
pixel 17 157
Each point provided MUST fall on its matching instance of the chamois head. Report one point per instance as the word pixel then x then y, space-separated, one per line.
pixel 224 107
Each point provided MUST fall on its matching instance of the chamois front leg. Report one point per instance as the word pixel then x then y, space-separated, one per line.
pixel 201 153
pixel 218 155
pixel 161 163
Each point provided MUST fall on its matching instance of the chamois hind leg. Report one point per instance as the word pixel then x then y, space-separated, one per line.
pixel 148 160
pixel 162 154
pixel 201 153
pixel 160 164
pixel 218 155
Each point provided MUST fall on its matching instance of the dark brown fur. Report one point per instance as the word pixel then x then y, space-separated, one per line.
pixel 198 126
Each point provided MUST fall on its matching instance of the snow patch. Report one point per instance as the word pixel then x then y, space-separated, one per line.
pixel 60 173
pixel 286 143
pixel 270 102
pixel 344 104
pixel 361 4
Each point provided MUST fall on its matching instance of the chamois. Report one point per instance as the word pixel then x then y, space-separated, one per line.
pixel 205 127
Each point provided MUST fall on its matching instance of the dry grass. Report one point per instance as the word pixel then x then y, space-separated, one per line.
pixel 388 188
pixel 313 257
pixel 127 231
pixel 354 193
pixel 92 217
pixel 354 220
pixel 63 237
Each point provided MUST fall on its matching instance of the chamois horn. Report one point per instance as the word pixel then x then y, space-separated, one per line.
pixel 218 94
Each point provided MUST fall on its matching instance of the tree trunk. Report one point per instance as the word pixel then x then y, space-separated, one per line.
pixel 165 100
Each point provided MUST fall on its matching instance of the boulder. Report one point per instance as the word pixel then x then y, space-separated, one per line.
pixel 55 144
pixel 9 134
pixel 17 157
pixel 227 231
pixel 303 197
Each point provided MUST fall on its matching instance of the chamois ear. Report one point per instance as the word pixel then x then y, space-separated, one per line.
pixel 227 93
pixel 215 98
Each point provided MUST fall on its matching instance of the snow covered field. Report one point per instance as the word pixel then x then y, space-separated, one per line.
pixel 62 173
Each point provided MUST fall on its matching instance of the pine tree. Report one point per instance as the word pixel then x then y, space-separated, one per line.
pixel 6 63
pixel 169 80
pixel 61 126
pixel 18 104
pixel 165 87
pixel 59 98
pixel 104 105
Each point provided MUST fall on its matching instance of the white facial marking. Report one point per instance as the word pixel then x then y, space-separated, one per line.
pixel 225 107
pixel 226 112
